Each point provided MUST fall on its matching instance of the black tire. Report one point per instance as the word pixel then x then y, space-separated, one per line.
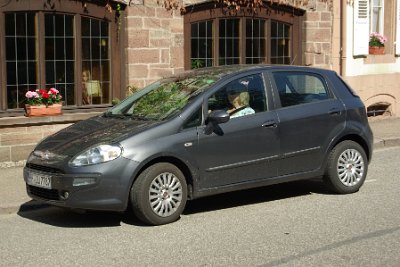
pixel 347 168
pixel 159 194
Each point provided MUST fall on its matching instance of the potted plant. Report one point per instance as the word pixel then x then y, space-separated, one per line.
pixel 377 43
pixel 43 102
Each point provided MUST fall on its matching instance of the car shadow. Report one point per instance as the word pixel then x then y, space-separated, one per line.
pixel 256 195
pixel 67 218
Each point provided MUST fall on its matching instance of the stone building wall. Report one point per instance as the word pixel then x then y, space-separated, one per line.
pixel 19 135
pixel 154 46
pixel 16 142
pixel 155 40
pixel 318 35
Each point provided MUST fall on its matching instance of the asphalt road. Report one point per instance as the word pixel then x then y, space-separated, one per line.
pixel 295 224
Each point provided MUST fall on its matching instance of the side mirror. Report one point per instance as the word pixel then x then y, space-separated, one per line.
pixel 218 116
pixel 214 118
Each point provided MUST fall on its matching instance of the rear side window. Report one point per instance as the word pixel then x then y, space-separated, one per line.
pixel 296 88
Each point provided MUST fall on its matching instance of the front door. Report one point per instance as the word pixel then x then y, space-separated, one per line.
pixel 247 146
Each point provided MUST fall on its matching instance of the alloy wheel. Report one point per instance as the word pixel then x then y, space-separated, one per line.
pixel 165 194
pixel 350 167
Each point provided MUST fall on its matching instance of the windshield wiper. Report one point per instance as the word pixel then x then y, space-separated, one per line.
pixel 107 114
pixel 139 117
pixel 118 115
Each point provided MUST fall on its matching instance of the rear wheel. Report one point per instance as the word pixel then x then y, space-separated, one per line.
pixel 347 168
pixel 159 194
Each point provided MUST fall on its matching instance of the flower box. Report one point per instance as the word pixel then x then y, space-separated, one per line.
pixel 376 50
pixel 377 43
pixel 43 110
pixel 43 103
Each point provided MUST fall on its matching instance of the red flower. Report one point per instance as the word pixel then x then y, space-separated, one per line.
pixel 45 95
pixel 53 91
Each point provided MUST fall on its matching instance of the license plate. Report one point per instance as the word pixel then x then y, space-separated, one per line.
pixel 39 180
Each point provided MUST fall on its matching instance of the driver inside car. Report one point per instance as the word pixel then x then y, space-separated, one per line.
pixel 239 98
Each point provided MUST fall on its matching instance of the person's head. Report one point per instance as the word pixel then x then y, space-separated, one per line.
pixel 86 75
pixel 237 94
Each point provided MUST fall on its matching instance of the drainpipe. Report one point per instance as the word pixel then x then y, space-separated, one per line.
pixel 343 23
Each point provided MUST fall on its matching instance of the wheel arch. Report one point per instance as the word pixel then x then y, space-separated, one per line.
pixel 181 165
pixel 355 138
pixel 352 137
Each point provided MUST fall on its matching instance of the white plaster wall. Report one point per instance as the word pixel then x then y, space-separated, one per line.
pixel 357 66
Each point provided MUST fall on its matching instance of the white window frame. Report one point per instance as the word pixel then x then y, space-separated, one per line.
pixel 376 18
pixel 361 16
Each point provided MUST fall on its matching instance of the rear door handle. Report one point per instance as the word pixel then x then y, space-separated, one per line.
pixel 270 124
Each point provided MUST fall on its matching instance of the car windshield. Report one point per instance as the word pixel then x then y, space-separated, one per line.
pixel 164 98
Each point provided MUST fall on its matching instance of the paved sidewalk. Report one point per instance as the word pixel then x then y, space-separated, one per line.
pixel 386 132
pixel 13 197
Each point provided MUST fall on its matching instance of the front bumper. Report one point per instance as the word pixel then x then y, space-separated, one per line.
pixel 104 186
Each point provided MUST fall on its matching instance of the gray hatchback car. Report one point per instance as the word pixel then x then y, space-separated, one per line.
pixel 206 132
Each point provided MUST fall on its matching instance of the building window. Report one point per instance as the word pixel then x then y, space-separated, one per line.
pixel 202 44
pixel 60 56
pixel 229 38
pixel 23 67
pixel 95 62
pixel 376 9
pixel 280 43
pixel 73 48
pixel 255 41
pixel 21 59
pixel 264 37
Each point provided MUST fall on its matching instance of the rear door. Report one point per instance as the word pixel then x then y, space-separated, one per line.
pixel 310 116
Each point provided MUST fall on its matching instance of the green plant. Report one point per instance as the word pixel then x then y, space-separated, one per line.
pixel 377 39
pixel 131 89
pixel 197 63
pixel 169 97
pixel 43 97
pixel 115 101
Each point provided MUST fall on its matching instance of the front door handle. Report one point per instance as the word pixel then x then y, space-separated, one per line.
pixel 270 124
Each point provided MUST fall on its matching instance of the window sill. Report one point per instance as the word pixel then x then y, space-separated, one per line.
pixel 29 121
pixel 379 59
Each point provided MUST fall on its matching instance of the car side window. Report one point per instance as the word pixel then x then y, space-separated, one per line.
pixel 194 120
pixel 240 97
pixel 299 88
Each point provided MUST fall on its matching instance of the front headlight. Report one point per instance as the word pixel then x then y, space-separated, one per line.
pixel 95 155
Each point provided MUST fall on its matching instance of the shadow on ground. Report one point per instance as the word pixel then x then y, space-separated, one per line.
pixel 61 217
pixel 256 195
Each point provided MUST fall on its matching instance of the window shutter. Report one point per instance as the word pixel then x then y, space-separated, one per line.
pixel 398 28
pixel 361 27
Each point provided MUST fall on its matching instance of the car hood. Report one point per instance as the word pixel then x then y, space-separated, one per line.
pixel 87 133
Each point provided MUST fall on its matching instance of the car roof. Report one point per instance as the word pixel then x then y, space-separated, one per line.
pixel 235 69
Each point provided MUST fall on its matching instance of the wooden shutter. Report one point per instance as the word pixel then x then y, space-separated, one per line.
pixel 361 27
pixel 398 28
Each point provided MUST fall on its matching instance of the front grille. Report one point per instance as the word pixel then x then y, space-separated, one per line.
pixel 49 194
pixel 43 168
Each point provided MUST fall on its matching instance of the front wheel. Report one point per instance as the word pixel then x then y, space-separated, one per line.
pixel 159 194
pixel 347 168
